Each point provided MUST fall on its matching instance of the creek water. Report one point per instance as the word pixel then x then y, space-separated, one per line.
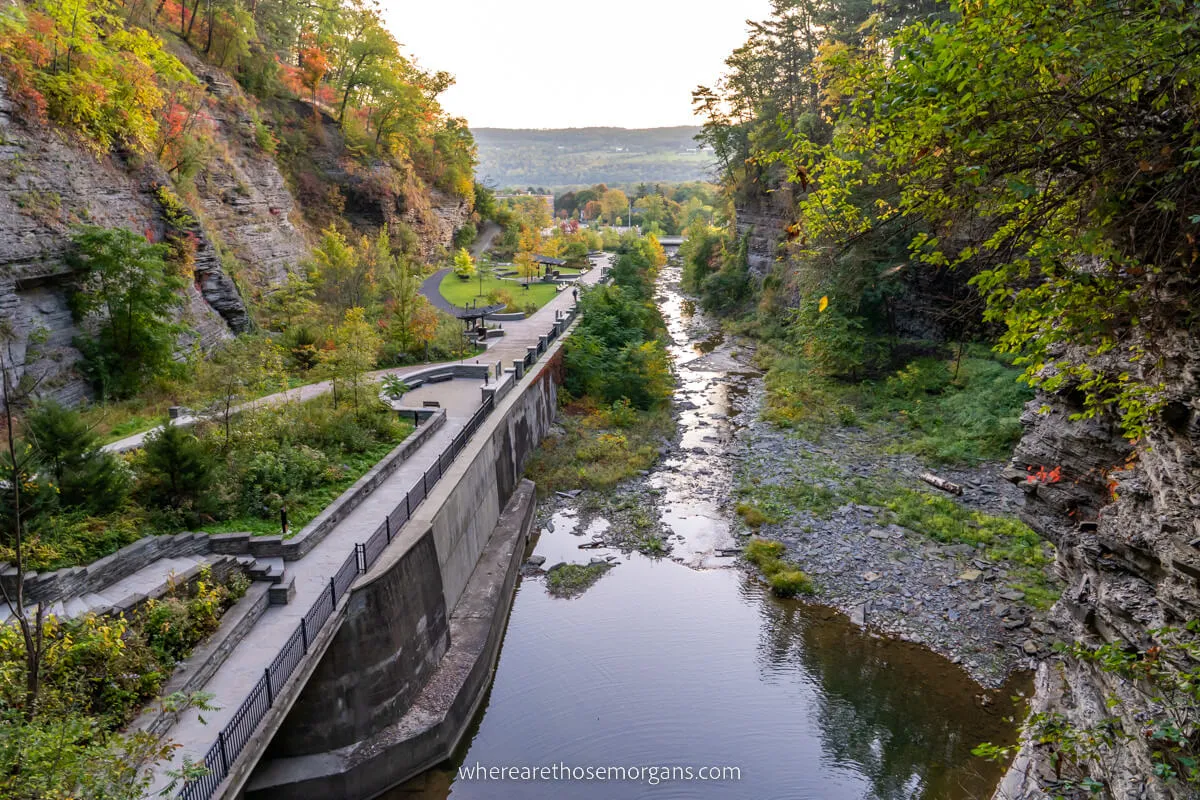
pixel 688 661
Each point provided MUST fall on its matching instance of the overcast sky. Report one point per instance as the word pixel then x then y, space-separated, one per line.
pixel 560 64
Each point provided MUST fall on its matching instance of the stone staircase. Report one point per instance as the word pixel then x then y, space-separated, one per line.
pixel 156 580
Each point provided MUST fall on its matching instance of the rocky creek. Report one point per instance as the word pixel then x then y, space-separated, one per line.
pixel 680 656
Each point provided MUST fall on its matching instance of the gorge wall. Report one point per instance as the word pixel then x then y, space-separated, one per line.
pixel 1126 522
pixel 250 231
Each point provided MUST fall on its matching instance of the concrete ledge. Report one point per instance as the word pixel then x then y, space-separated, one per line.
pixel 515 317
pixel 299 545
pixel 72 582
pixel 349 500
pixel 441 715
pixel 192 673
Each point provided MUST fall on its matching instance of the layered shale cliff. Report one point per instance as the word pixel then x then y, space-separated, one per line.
pixel 1126 522
pixel 249 231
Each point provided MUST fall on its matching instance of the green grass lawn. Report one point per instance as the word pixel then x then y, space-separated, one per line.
pixel 460 292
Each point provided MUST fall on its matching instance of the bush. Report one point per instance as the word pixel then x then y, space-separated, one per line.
pixel 270 478
pixel 761 550
pixel 751 515
pixel 500 296
pixel 790 582
pixel 784 579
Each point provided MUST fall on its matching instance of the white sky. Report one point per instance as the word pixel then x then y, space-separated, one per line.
pixel 563 64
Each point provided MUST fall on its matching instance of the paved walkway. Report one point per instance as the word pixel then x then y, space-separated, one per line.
pixel 431 289
pixel 518 336
pixel 246 662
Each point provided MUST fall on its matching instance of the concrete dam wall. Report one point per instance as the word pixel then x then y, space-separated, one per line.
pixel 403 675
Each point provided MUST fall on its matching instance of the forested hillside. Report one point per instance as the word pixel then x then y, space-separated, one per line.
pixel 236 136
pixel 911 177
pixel 576 157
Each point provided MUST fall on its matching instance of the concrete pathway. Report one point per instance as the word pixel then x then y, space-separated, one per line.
pixel 518 336
pixel 246 662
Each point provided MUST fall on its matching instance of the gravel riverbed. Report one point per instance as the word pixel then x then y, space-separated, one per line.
pixel 891 580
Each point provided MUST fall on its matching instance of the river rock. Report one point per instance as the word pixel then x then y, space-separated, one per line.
pixel 970 575
pixel 1030 647
pixel 535 560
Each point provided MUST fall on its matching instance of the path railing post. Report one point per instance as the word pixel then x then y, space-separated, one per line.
pixel 304 634
pixel 224 755
pixel 333 591
pixel 270 694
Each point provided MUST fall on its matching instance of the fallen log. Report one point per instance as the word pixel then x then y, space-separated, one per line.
pixel 941 483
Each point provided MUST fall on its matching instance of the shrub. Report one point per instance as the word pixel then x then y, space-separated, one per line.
pixel 752 516
pixel 269 478
pixel 790 582
pixel 783 578
pixel 498 296
pixel 760 550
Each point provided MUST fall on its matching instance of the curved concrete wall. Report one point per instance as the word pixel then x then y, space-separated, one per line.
pixel 396 629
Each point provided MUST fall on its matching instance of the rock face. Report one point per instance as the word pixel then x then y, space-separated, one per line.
pixel 245 205
pixel 436 223
pixel 49 184
pixel 1126 522
pixel 764 218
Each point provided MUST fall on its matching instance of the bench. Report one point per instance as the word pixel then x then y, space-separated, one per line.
pixel 440 378
pixel 431 404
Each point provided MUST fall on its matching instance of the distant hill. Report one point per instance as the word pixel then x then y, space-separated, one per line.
pixel 566 157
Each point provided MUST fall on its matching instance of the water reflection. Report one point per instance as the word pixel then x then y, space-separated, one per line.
pixel 907 720
pixel 660 664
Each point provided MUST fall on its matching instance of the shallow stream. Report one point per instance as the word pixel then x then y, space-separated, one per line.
pixel 688 661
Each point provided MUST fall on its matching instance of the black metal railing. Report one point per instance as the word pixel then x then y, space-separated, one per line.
pixel 231 739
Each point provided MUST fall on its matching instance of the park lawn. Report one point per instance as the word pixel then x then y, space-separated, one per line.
pixel 460 292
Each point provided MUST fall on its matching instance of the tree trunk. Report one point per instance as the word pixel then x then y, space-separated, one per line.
pixel 192 21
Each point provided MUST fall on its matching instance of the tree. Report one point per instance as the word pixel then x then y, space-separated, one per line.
pixel 292 302
pixel 413 320
pixel 464 265
pixel 126 299
pixel 84 474
pixel 345 276
pixel 17 476
pixel 313 66
pixel 613 204
pixel 178 470
pixel 242 370
pixel 371 48
pixel 527 268
pixel 1051 147
pixel 355 350
pixel 484 269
